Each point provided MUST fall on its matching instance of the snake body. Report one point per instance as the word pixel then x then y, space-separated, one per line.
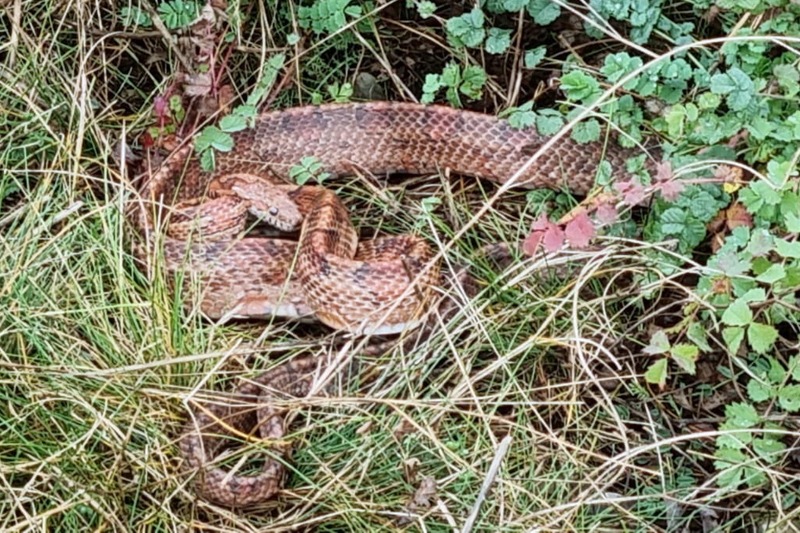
pixel 329 275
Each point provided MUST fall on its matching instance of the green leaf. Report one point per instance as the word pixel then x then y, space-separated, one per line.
pixel 534 57
pixel 269 75
pixel 789 250
pixel 213 137
pixel 794 367
pixel 759 391
pixel 697 334
pixel 738 87
pixel 310 168
pixel 426 9
pixel 579 86
pixel 133 16
pixel 729 464
pixel 774 273
pixel 178 13
pixel 616 66
pixel 521 117
pixel 761 337
pixel 549 122
pixel 792 223
pixel 733 338
pixel 685 355
pixel 207 160
pixel 657 373
pixel 768 448
pixel 756 295
pixel 659 343
pixel 467 29
pixel 742 415
pixel 474 78
pixel 497 41
pixel 733 437
pixel 543 12
pixel 232 123
pixel 789 398
pixel 432 85
pixel 737 314
pixel 587 131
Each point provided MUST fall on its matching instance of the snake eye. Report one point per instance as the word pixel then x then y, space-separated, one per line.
pixel 273 211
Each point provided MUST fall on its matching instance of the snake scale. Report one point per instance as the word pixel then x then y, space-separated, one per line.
pixel 380 286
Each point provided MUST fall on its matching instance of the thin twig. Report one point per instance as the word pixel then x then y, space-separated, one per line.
pixel 487 482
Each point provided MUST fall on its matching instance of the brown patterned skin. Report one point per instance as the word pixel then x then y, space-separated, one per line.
pixel 328 276
pixel 250 407
pixel 235 278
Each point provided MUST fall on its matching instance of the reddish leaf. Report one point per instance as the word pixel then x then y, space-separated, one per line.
pixel 532 242
pixel 606 214
pixel 671 190
pixel 553 238
pixel 541 223
pixel 580 231
pixel 147 140
pixel 664 171
pixel 632 193
pixel 736 215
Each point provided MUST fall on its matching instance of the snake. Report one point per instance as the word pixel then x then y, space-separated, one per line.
pixel 380 286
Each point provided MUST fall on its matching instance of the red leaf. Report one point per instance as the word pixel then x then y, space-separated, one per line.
pixel 161 107
pixel 606 214
pixel 541 223
pixel 532 242
pixel 664 171
pixel 632 193
pixel 671 190
pixel 554 238
pixel 580 231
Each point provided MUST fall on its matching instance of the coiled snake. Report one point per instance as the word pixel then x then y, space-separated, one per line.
pixel 379 286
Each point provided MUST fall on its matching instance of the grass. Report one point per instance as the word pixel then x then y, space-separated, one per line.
pixel 97 362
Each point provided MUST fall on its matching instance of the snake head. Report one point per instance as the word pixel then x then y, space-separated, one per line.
pixel 268 201
pixel 277 210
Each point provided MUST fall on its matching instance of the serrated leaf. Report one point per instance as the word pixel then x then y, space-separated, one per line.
pixel 579 86
pixel 761 337
pixel 756 295
pixel 657 373
pixel 794 367
pixel 792 222
pixel 659 343
pixel 737 314
pixel 790 250
pixel 738 87
pixel 768 447
pixel 233 123
pixel 548 122
pixel 543 12
pixel 426 9
pixel 521 118
pixel 742 415
pixel 534 57
pixel 774 273
pixel 497 41
pixel 213 137
pixel 685 356
pixel 732 436
pixel 759 391
pixel 697 334
pixel 587 131
pixel 789 398
pixel 733 338
pixel 207 160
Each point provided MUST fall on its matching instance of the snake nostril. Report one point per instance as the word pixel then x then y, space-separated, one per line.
pixel 273 211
